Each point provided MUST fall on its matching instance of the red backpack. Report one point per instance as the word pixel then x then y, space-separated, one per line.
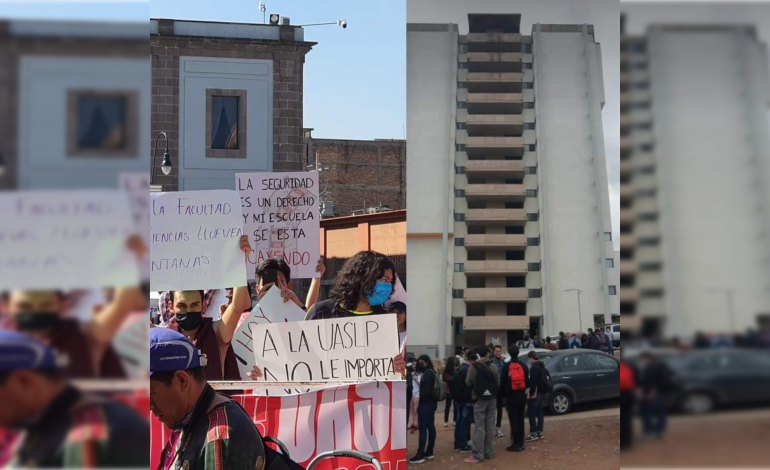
pixel 517 376
pixel 627 382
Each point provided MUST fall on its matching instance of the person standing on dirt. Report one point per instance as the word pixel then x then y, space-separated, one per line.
pixel 514 383
pixel 484 381
pixel 627 402
pixel 657 381
pixel 499 362
pixel 426 410
pixel 537 378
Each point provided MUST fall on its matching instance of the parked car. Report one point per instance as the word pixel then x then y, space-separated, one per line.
pixel 523 353
pixel 613 331
pixel 580 376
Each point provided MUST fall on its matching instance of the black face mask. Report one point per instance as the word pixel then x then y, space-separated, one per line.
pixel 421 367
pixel 34 321
pixel 190 320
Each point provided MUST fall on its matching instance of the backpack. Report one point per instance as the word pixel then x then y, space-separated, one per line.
pixel 516 371
pixel 485 387
pixel 603 340
pixel 627 381
pixel 278 460
pixel 439 390
pixel 458 389
pixel 546 384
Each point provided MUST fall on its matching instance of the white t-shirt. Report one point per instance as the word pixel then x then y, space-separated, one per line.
pixel 416 386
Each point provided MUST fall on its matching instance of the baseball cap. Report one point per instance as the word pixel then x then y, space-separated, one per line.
pixel 21 352
pixel 398 306
pixel 171 351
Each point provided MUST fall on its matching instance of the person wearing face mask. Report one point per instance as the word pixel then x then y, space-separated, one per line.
pixel 55 425
pixel 85 345
pixel 213 338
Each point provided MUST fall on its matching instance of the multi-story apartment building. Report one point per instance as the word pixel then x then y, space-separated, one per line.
pixel 695 180
pixel 509 224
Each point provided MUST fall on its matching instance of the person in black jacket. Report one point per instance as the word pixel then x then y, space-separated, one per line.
pixel 536 397
pixel 592 341
pixel 515 400
pixel 426 411
pixel 563 341
pixel 657 382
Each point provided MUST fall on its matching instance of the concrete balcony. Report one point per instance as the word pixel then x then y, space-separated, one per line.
pixel 629 294
pixel 626 167
pixel 496 241
pixel 494 42
pixel 627 216
pixel 496 294
pixel 494 124
pixel 495 103
pixel 494 82
pixel 494 62
pixel 625 143
pixel 496 168
pixel 494 146
pixel 626 192
pixel 496 217
pixel 627 240
pixel 496 322
pixel 500 192
pixel 627 266
pixel 496 267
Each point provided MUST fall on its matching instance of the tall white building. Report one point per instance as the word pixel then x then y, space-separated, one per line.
pixel 695 180
pixel 509 222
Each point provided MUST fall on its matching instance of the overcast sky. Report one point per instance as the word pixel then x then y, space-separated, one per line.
pixel 603 14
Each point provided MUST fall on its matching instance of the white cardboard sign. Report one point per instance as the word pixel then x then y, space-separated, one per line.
pixel 66 240
pixel 354 348
pixel 131 345
pixel 271 309
pixel 195 240
pixel 281 217
pixel 137 186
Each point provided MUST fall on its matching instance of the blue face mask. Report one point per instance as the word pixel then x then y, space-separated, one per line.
pixel 380 294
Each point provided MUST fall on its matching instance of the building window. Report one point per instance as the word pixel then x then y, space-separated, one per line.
pixel 462 84
pixel 534 293
pixel 459 217
pixel 102 123
pixel 462 104
pixel 514 181
pixel 648 217
pixel 646 170
pixel 650 266
pixel 607 236
pixel 532 217
pixel 651 241
pixel 459 193
pixel 459 242
pixel 529 105
pixel 609 262
pixel 457 293
pixel 460 147
pixel 531 193
pixel 613 290
pixel 514 205
pixel 645 192
pixel 533 267
pixel 530 126
pixel 463 65
pixel 527 65
pixel 656 293
pixel 533 241
pixel 459 267
pixel 527 85
pixel 225 123
pixel 461 125
pixel 530 170
pixel 526 48
pixel 463 48
pixel 513 157
pixel 514 229
pixel 530 147
pixel 459 170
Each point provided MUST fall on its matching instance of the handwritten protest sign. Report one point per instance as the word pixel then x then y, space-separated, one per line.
pixel 271 309
pixel 327 350
pixel 280 215
pixel 195 240
pixel 131 345
pixel 66 240
pixel 137 186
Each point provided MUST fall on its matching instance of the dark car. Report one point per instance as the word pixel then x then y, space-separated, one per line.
pixel 579 376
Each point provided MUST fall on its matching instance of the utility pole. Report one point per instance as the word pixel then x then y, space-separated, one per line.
pixel 580 313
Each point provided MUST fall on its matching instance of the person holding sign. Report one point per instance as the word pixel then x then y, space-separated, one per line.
pixel 86 346
pixel 213 338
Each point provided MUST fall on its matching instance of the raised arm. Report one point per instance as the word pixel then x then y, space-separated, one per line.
pixel 315 285
pixel 241 301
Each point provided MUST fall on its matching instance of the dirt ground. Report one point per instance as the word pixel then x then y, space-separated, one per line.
pixel 570 444
pixel 727 440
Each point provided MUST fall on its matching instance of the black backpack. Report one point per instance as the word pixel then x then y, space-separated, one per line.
pixel 279 460
pixel 460 392
pixel 485 387
pixel 546 384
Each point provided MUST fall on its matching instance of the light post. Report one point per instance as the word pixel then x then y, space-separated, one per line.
pixel 165 165
pixel 342 23
pixel 580 314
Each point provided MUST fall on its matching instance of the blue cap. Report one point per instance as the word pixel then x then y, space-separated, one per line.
pixel 171 351
pixel 21 352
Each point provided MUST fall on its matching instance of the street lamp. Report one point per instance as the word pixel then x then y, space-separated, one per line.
pixel 342 23
pixel 165 165
pixel 580 314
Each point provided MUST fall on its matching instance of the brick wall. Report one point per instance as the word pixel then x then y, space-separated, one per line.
pixel 357 174
pixel 288 59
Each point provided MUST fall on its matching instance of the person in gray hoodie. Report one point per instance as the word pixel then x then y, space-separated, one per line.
pixel 484 381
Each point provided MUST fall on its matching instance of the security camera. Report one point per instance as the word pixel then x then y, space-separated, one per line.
pixel 343 23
